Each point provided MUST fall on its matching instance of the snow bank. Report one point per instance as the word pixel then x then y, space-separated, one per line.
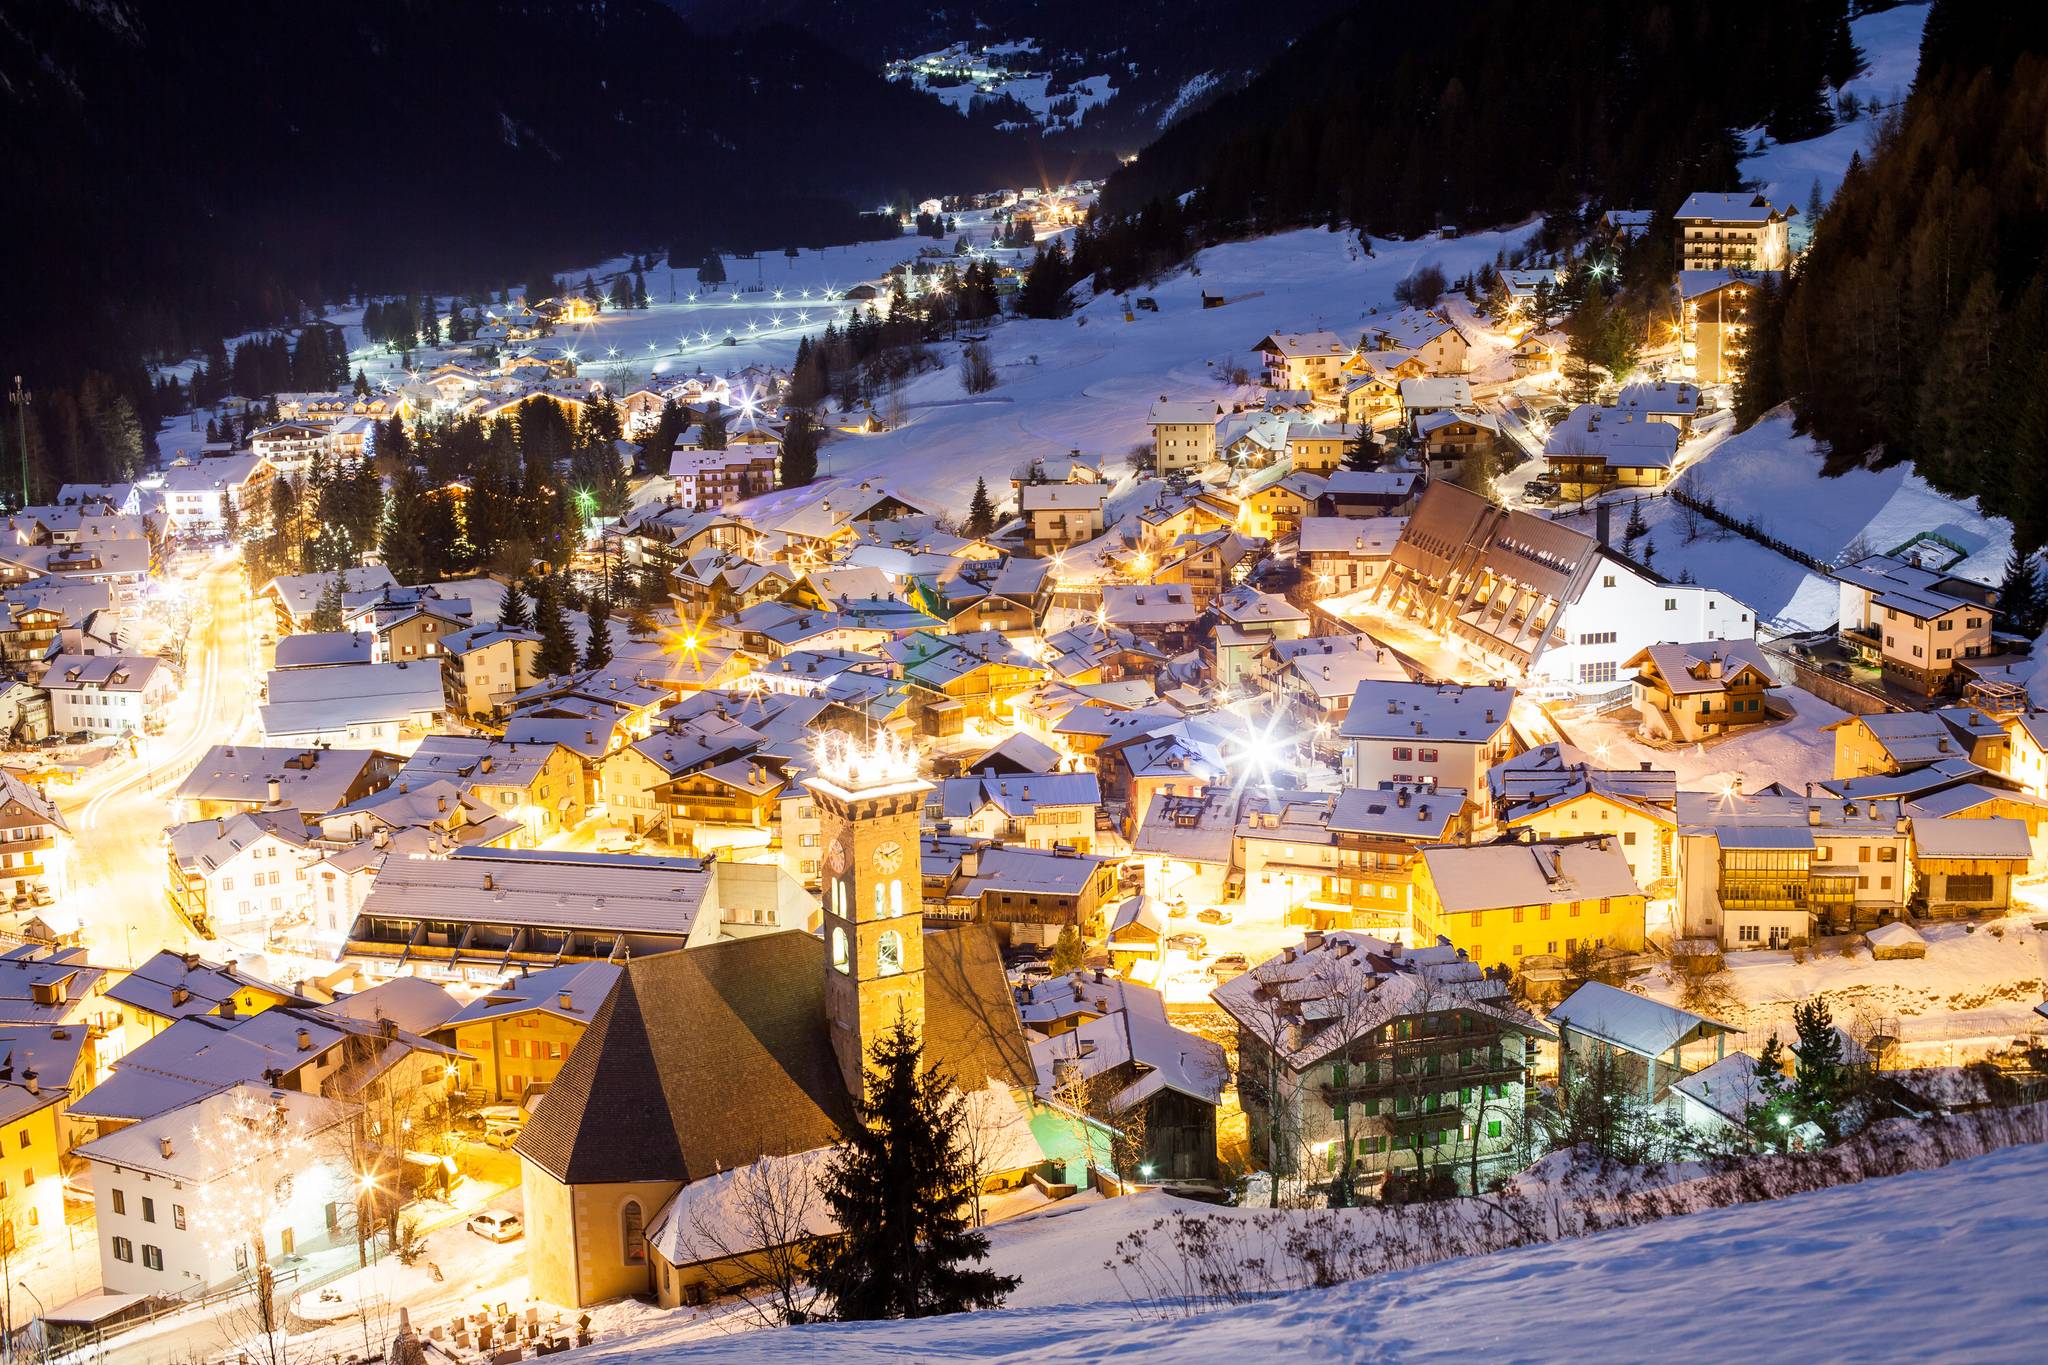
pixel 1825 1275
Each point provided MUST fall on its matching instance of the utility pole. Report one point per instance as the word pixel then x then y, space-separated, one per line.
pixel 20 398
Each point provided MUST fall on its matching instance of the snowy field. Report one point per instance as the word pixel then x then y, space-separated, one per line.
pixel 1840 1274
pixel 1772 475
pixel 1086 382
pixel 1786 172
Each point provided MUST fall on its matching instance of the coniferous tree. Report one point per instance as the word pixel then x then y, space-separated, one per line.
pixel 557 645
pixel 362 385
pixel 1769 1115
pixel 1820 1081
pixel 800 449
pixel 1637 528
pixel 404 537
pixel 712 433
pixel 712 270
pixel 981 513
pixel 327 612
pixel 597 649
pixel 639 290
pixel 1363 456
pixel 900 1189
pixel 512 613
pixel 2019 597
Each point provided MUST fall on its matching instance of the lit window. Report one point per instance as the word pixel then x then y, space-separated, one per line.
pixel 839 957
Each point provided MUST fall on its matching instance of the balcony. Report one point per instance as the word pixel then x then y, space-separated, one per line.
pixel 1480 1073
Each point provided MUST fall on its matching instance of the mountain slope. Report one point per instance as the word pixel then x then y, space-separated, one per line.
pixel 1162 57
pixel 206 163
pixel 1479 111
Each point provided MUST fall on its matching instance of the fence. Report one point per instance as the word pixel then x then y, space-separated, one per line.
pixel 1748 529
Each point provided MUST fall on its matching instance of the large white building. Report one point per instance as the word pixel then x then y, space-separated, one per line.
pixel 1435 735
pixel 108 694
pixel 183 1198
pixel 1540 601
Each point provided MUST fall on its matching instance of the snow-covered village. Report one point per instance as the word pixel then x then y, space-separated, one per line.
pixel 1144 706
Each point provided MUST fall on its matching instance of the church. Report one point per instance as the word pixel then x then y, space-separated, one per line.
pixel 707 1059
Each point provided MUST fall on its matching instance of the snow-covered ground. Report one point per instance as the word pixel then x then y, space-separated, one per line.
pixel 985 82
pixel 1086 382
pixel 1973 993
pixel 1786 172
pixel 1771 474
pixel 1935 1263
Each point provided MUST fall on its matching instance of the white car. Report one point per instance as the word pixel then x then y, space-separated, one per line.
pixel 617 840
pixel 497 1226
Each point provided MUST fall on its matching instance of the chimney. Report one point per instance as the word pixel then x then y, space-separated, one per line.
pixel 276 790
pixel 388 1027
pixel 567 1001
pixel 305 1040
pixel 488 883
pixel 191 962
pixel 485 766
pixel 163 1147
pixel 1813 816
pixel 179 995
pixel 28 1078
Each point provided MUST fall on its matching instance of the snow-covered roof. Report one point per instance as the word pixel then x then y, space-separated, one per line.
pixel 1995 837
pixel 1728 1087
pixel 1445 712
pixel 1484 876
pixel 1730 207
pixel 1632 1022
pixel 317 649
pixel 1397 810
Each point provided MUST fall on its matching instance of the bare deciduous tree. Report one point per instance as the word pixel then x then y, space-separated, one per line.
pixel 755 1239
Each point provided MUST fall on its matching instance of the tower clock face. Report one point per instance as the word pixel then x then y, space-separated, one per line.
pixel 835 857
pixel 889 858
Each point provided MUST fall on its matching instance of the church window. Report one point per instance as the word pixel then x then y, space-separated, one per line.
pixel 839 958
pixel 889 954
pixel 630 1233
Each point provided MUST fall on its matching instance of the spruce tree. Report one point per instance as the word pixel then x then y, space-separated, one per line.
pixel 712 433
pixel 981 513
pixel 1820 1080
pixel 404 538
pixel 557 645
pixel 512 613
pixel 2019 599
pixel 597 650
pixel 800 449
pixel 1637 528
pixel 900 1190
pixel 327 611
pixel 1769 1114
pixel 1364 455
pixel 362 385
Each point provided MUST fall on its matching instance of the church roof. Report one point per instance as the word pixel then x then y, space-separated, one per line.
pixel 710 1058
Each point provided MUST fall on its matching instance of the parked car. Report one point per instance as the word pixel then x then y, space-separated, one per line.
pixel 497 1226
pixel 1194 945
pixel 1228 966
pixel 616 840
pixel 1177 910
pixel 1215 914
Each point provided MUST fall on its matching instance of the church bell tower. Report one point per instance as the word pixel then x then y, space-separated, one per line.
pixel 870 812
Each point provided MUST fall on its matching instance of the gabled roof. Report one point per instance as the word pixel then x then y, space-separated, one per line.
pixel 1632 1022
pixel 706 1060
